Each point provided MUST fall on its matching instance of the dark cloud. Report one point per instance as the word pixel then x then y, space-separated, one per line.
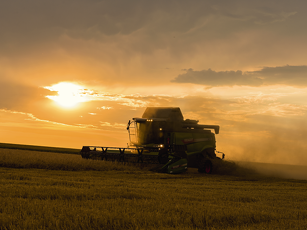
pixel 121 41
pixel 212 78
pixel 284 75
pixel 33 22
pixel 16 96
pixel 87 19
pixel 280 75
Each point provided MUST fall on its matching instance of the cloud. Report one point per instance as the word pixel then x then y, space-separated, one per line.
pixel 104 107
pixel 142 26
pixel 30 117
pixel 267 16
pixel 115 125
pixel 281 75
pixel 212 78
pixel 120 42
pixel 19 96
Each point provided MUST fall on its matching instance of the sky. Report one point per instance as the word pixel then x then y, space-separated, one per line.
pixel 73 73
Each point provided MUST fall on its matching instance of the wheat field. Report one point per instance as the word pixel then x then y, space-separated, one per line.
pixel 63 191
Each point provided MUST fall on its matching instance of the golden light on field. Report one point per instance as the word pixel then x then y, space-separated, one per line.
pixel 69 94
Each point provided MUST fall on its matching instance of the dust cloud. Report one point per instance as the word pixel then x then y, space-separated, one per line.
pixel 277 170
pixel 277 151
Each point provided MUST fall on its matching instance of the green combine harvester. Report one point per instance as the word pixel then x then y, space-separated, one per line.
pixel 163 137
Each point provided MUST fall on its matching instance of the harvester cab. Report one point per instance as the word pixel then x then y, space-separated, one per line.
pixel 155 127
pixel 162 136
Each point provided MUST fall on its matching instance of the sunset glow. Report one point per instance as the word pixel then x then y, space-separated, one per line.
pixel 69 94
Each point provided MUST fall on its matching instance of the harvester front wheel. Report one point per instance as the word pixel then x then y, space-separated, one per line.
pixel 84 155
pixel 205 166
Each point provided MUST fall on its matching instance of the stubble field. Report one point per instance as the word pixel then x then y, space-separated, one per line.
pixel 44 190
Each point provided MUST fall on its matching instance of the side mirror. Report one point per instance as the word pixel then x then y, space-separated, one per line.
pixel 128 125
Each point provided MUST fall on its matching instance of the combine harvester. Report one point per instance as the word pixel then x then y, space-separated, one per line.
pixel 163 137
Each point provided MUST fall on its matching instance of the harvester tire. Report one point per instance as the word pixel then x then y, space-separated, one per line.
pixel 205 166
pixel 84 155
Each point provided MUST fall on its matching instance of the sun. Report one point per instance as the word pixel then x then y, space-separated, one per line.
pixel 69 94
